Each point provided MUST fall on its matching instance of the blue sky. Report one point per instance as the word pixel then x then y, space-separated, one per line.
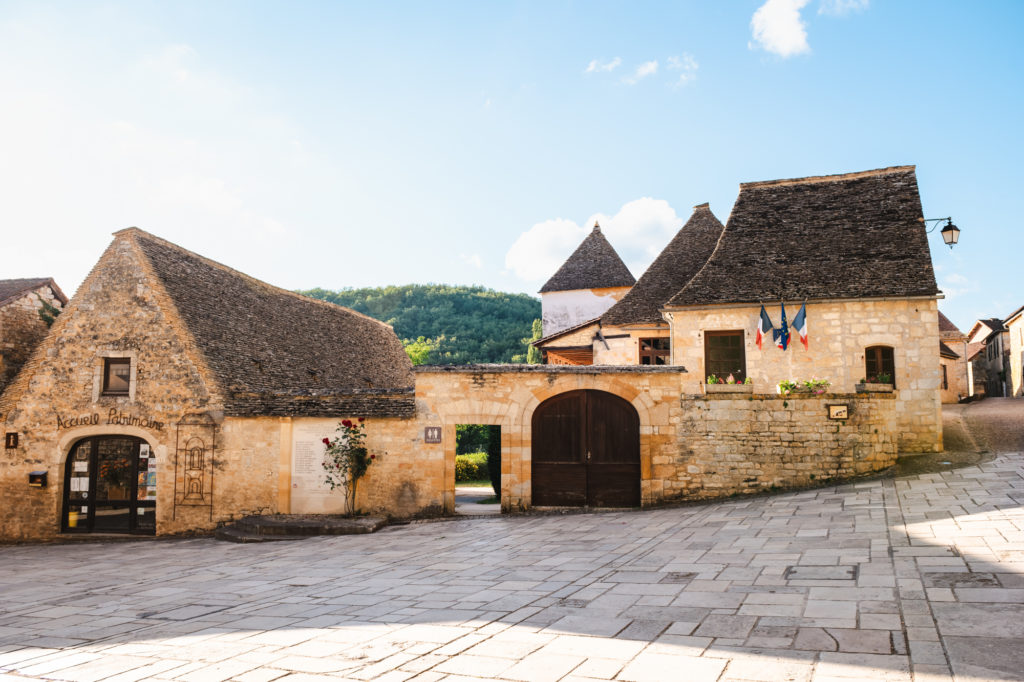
pixel 356 144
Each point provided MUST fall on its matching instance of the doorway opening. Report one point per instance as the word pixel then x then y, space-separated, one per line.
pixel 477 469
pixel 110 486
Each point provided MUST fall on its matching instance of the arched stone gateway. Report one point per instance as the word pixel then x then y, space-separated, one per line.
pixel 109 486
pixel 586 451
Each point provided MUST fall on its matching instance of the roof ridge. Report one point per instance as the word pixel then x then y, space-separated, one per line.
pixel 827 178
pixel 135 232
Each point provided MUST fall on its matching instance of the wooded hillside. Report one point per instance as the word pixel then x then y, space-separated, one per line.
pixel 447 325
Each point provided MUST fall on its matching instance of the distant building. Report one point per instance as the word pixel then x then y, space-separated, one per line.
pixel 994 360
pixel 590 282
pixel 27 309
pixel 1015 337
pixel 956 382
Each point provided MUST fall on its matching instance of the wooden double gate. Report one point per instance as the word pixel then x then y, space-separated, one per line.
pixel 586 451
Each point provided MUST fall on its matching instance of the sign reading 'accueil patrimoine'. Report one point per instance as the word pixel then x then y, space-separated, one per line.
pixel 114 418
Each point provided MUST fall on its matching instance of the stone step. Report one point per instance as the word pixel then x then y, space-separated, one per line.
pixel 232 534
pixel 306 525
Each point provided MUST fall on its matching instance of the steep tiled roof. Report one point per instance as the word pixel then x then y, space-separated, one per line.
pixel 275 352
pixel 994 324
pixel 14 288
pixel 946 325
pixel 593 265
pixel 947 352
pixel 671 270
pixel 973 349
pixel 562 332
pixel 857 235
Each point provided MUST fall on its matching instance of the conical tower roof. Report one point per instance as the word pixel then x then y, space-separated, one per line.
pixel 676 265
pixel 593 265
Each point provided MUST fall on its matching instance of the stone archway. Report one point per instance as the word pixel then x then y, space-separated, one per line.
pixel 585 451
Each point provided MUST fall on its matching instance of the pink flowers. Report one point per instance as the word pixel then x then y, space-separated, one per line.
pixel 361 420
pixel 373 456
pixel 347 423
pixel 327 441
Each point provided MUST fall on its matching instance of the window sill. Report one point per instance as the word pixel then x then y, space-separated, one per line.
pixel 874 388
pixel 728 388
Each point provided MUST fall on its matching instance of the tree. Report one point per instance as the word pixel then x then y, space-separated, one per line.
pixel 533 354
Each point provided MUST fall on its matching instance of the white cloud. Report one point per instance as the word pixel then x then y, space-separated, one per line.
pixel 778 28
pixel 596 65
pixel 687 67
pixel 472 259
pixel 954 284
pixel 643 71
pixel 638 232
pixel 841 8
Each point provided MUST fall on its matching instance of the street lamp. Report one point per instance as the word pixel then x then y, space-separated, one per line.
pixel 950 232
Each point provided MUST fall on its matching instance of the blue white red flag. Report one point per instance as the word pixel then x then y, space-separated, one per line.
pixel 800 324
pixel 764 325
pixel 782 333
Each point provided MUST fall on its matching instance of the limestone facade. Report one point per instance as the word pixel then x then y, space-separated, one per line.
pixel 839 333
pixel 1015 331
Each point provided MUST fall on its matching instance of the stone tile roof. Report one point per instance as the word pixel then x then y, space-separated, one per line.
pixel 671 270
pixel 1014 314
pixel 947 352
pixel 995 324
pixel 13 288
pixel 946 325
pixel 593 265
pixel 856 235
pixel 563 332
pixel 275 352
pixel 973 349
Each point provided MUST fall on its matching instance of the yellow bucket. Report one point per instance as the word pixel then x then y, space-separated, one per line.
pixel 72 519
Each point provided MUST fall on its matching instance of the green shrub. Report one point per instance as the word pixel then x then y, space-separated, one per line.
pixel 471 467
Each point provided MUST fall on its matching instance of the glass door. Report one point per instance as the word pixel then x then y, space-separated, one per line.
pixel 110 486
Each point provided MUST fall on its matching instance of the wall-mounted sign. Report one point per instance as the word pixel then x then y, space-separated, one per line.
pixel 432 434
pixel 838 411
pixel 10 440
pixel 115 417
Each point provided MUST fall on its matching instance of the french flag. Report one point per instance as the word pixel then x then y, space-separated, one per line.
pixel 800 324
pixel 782 333
pixel 764 325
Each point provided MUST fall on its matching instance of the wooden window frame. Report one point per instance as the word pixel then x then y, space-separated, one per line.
pixel 880 363
pixel 654 353
pixel 743 352
pixel 945 378
pixel 108 364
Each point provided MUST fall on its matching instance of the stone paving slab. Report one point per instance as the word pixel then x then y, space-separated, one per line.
pixel 920 577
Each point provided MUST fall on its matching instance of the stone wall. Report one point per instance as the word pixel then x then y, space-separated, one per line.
pixel 623 344
pixel 22 330
pixel 1015 375
pixel 692 446
pixel 734 443
pixel 839 332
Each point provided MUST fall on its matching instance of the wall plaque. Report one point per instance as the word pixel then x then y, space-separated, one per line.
pixel 839 412
pixel 432 434
pixel 10 440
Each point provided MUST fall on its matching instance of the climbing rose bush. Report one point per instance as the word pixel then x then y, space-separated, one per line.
pixel 347 459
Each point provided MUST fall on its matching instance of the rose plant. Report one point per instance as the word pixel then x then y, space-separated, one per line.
pixel 346 459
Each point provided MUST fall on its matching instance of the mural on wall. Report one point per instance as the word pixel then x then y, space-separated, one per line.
pixel 196 443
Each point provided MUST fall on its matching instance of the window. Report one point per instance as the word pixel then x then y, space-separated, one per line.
pixel 117 374
pixel 879 366
pixel 724 355
pixel 945 379
pixel 654 351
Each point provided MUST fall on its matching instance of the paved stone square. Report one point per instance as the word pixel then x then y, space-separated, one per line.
pixel 915 578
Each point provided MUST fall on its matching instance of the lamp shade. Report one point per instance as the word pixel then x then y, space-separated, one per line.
pixel 950 233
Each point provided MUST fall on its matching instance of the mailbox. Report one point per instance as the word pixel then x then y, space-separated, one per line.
pixel 37 479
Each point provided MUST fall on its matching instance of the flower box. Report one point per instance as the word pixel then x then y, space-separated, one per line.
pixel 728 388
pixel 874 388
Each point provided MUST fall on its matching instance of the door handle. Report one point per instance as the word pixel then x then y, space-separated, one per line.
pixel 588 455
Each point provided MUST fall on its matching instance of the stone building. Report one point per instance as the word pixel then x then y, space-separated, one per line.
pixel 851 247
pixel 174 393
pixel 1015 345
pixel 590 281
pixel 27 309
pixel 956 380
pixel 993 360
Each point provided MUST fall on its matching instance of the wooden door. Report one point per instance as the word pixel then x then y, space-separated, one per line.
pixel 586 451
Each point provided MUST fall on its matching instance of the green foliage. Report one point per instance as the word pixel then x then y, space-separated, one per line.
pixel 533 355
pixel 48 313
pixel 472 467
pixel 447 325
pixel 471 438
